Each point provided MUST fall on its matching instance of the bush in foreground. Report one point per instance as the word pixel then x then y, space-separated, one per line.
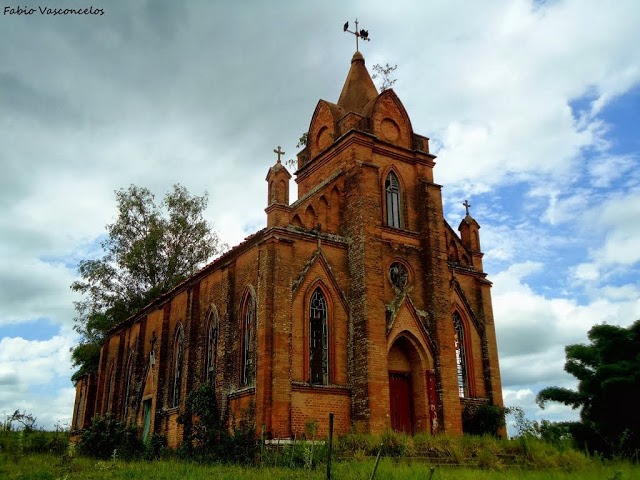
pixel 206 436
pixel 108 438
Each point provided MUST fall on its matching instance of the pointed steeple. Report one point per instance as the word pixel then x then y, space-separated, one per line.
pixel 358 89
pixel 468 229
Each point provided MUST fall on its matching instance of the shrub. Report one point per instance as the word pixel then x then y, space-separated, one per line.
pixel 204 432
pixel 357 444
pixel 483 419
pixel 108 438
pixel 156 448
pixel 394 444
pixel 206 437
pixel 33 441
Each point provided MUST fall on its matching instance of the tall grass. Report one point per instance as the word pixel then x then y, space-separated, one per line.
pixel 404 458
pixel 484 452
pixel 49 467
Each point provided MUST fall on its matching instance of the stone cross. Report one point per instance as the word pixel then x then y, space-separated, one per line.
pixel 279 152
pixel 466 205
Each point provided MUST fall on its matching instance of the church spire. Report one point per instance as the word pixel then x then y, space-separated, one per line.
pixel 358 89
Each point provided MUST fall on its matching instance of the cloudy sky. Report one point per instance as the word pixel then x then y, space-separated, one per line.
pixel 533 109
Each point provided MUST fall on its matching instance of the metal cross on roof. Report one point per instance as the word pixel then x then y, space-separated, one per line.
pixel 363 34
pixel 279 152
pixel 466 205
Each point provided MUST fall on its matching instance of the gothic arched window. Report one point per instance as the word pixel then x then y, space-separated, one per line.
pixel 318 339
pixel 461 356
pixel 127 385
pixel 178 360
pixel 248 341
pixel 110 386
pixel 212 347
pixel 392 191
pixel 78 420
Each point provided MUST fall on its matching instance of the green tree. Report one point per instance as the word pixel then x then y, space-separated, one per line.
pixel 148 250
pixel 608 391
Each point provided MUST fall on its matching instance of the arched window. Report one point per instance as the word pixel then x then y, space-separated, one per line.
pixel 318 339
pixel 392 189
pixel 212 347
pixel 109 388
pixel 248 341
pixel 461 356
pixel 127 385
pixel 80 407
pixel 178 359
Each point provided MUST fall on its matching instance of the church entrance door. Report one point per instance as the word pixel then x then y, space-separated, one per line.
pixel 400 398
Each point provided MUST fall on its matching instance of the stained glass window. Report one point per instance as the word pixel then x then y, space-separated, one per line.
pixel 127 388
pixel 178 358
pixel 461 356
pixel 318 339
pixel 248 342
pixel 212 348
pixel 398 275
pixel 392 187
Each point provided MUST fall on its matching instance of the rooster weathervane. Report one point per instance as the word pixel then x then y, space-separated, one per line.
pixel 363 34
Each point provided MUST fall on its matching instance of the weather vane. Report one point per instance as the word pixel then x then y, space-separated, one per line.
pixel 363 34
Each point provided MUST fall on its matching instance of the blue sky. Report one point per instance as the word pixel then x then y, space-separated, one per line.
pixel 532 108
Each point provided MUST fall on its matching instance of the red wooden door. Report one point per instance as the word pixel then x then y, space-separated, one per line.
pixel 400 396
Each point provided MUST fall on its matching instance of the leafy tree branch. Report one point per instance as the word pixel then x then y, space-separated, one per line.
pixel 149 249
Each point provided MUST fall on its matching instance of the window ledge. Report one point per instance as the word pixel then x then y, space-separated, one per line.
pixel 243 392
pixel 315 388
pixel 473 400
pixel 401 231
pixel 171 410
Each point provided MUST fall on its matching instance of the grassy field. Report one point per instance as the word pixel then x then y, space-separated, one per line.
pixel 49 467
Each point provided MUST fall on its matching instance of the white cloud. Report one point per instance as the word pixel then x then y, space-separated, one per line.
pixel 615 220
pixel 36 361
pixel 37 377
pixel 608 168
pixel 35 289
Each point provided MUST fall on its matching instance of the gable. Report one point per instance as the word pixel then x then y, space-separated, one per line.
pixel 322 129
pixel 318 268
pixel 389 120
pixel 405 318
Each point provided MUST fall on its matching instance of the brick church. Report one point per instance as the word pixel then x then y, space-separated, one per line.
pixel 357 299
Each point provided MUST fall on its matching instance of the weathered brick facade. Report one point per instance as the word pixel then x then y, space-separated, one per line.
pixel 344 303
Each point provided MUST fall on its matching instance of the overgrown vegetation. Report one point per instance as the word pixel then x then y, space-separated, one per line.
pixel 19 436
pixel 403 457
pixel 52 468
pixel 108 438
pixel 480 451
pixel 26 442
pixel 206 436
pixel 383 74
pixel 608 391
pixel 483 419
